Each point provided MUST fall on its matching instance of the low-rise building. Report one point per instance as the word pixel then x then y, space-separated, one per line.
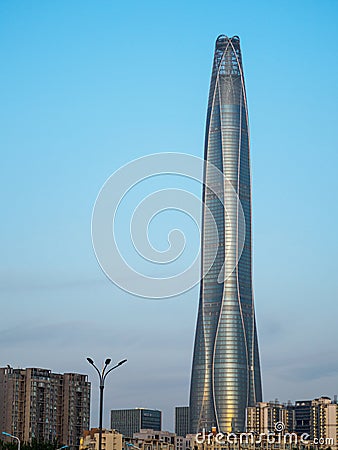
pixel 164 439
pixel 111 440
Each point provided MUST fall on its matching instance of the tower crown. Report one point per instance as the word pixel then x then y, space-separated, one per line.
pixel 222 41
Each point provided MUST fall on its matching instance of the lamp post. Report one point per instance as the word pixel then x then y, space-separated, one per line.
pixel 13 437
pixel 102 377
pixel 129 444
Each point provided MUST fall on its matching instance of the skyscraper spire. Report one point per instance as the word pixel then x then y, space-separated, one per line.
pixel 226 370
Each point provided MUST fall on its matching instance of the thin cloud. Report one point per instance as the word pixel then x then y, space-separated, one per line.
pixel 10 283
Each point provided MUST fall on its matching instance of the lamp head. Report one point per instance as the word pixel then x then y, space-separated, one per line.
pixel 90 361
pixel 122 362
pixel 107 361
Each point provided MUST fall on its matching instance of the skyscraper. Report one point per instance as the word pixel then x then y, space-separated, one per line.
pixel 226 370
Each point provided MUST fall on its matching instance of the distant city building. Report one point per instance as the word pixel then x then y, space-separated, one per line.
pixel 130 421
pixel 147 444
pixel 317 418
pixel 184 443
pixel 182 420
pixel 303 416
pixel 323 419
pixel 165 437
pixel 38 404
pixel 111 440
pixel 263 417
pixel 291 421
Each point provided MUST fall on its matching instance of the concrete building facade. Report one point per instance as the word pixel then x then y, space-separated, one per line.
pixel 111 440
pixel 263 417
pixel 163 437
pixel 36 404
pixel 317 419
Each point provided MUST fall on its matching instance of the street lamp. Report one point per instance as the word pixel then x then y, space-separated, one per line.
pixel 13 437
pixel 102 377
pixel 129 444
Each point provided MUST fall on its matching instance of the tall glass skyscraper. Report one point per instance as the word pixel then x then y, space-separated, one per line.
pixel 226 370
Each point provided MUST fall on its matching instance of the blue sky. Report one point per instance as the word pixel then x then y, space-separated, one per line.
pixel 89 86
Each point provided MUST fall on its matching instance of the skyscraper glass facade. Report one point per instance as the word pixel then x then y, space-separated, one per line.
pixel 226 370
pixel 130 421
